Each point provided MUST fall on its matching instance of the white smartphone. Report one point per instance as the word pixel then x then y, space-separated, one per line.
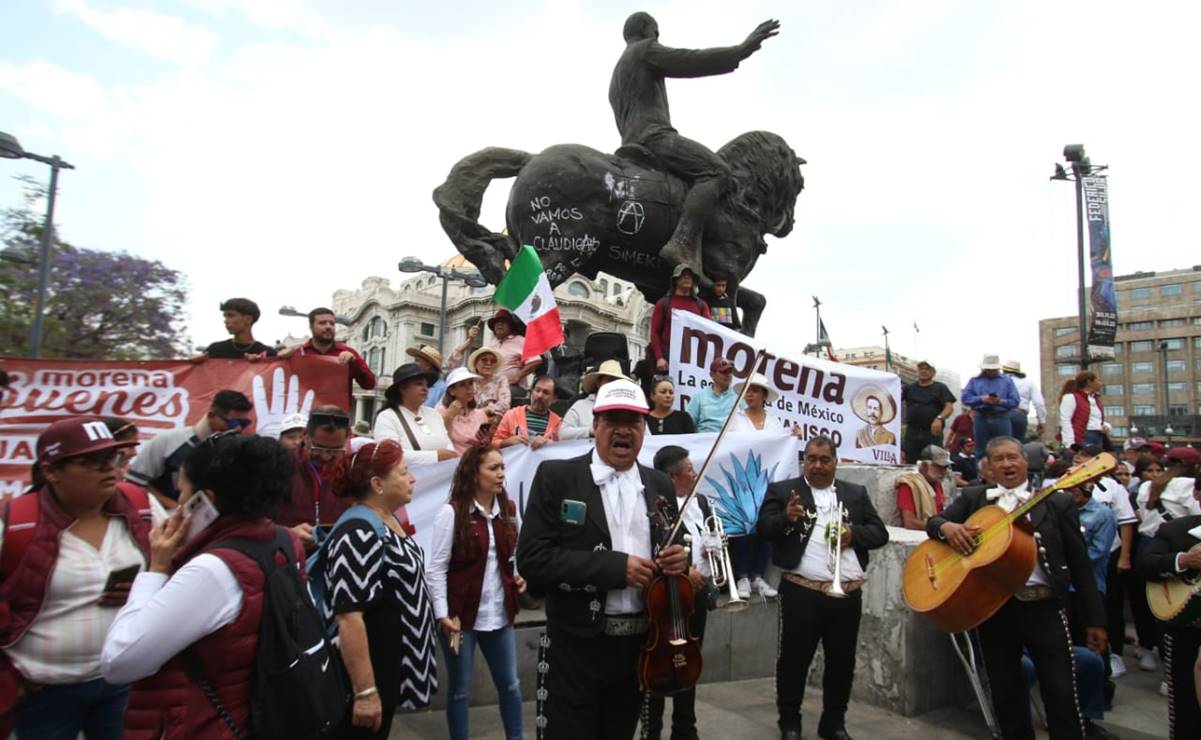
pixel 202 511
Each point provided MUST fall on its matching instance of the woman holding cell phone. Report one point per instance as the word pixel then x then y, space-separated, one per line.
pixel 69 548
pixel 474 587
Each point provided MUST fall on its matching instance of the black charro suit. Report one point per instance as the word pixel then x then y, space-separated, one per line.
pixel 590 688
pixel 1156 561
pixel 1041 627
pixel 808 617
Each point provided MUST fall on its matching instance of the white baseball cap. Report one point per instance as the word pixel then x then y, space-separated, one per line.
pixel 620 394
pixel 293 421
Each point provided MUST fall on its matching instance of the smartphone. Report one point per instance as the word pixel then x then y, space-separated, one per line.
pixel 202 511
pixel 122 575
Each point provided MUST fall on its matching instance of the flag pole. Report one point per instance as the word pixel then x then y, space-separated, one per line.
pixel 887 351
pixel 817 330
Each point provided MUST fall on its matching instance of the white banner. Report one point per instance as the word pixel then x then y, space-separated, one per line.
pixel 858 408
pixel 736 480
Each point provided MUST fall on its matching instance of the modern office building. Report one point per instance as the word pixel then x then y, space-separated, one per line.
pixel 1153 384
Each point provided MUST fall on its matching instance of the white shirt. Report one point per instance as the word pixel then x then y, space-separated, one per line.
pixel 629 526
pixel 1177 499
pixel 428 429
pixel 1030 395
pixel 1067 407
pixel 577 422
pixel 1010 499
pixel 694 522
pixel 1114 495
pixel 491 614
pixel 165 615
pixel 740 422
pixel 815 563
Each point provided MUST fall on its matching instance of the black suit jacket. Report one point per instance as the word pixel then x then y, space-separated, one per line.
pixel 1062 551
pixel 574 564
pixel 788 540
pixel 1156 559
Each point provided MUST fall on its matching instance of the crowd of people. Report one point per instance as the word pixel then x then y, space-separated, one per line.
pixel 136 595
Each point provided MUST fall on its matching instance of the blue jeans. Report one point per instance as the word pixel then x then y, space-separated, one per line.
pixel 1094 438
pixel 500 650
pixel 95 708
pixel 1020 422
pixel 1090 680
pixel 987 426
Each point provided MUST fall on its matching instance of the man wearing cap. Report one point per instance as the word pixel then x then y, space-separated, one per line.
pixel 313 504
pixel 533 424
pixel 964 463
pixel 797 517
pixel 508 338
pixel 577 422
pixel 1029 396
pixel 991 396
pixel 429 359
pixel 586 541
pixel 920 495
pixel 713 403
pixel 928 404
pixel 156 468
pixel 323 327
pixel 1173 554
pixel 682 296
pixel 291 431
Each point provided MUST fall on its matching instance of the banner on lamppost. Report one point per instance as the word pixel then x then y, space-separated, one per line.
pixel 1104 324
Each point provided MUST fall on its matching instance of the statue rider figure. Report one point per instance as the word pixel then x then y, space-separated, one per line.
pixel 638 96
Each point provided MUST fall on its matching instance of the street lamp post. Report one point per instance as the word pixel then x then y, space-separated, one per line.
pixel 291 311
pixel 413 264
pixel 1081 168
pixel 10 148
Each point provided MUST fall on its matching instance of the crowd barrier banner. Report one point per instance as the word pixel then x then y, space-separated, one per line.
pixel 736 481
pixel 155 395
pixel 857 407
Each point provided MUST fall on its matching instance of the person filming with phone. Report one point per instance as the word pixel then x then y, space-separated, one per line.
pixel 69 548
pixel 190 629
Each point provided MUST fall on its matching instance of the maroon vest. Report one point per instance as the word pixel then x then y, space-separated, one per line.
pixel 1079 418
pixel 312 499
pixel 169 704
pixel 465 575
pixel 24 589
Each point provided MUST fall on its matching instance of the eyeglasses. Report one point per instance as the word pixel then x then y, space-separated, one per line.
pixel 324 451
pixel 100 459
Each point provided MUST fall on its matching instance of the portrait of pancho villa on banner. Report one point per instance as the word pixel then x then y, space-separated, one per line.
pixel 876 407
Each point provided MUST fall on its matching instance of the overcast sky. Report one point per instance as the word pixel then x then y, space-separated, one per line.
pixel 282 149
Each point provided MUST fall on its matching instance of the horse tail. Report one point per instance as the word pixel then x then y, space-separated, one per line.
pixel 459 198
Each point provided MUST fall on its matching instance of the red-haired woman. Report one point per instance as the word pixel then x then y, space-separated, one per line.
pixel 474 587
pixel 376 590
pixel 1081 415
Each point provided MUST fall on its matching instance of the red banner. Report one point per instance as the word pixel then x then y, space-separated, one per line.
pixel 153 395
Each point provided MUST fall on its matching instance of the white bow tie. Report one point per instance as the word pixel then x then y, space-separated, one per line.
pixel 602 473
pixel 1008 498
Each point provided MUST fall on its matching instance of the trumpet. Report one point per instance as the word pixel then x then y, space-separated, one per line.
pixel 717 552
pixel 834 532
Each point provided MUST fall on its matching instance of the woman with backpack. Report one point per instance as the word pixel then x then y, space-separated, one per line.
pixel 60 545
pixel 190 630
pixel 474 587
pixel 375 588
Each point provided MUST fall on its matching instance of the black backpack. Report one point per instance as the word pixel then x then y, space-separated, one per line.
pixel 300 690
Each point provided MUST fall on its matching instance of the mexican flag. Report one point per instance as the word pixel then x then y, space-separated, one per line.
pixel 526 292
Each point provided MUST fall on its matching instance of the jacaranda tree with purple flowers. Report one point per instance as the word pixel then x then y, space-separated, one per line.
pixel 100 305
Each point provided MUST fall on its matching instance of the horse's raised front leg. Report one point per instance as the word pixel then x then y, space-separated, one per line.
pixel 752 304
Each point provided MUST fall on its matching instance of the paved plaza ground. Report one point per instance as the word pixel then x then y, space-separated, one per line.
pixel 746 709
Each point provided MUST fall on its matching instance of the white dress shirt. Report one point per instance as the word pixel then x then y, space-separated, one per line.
pixel 1177 499
pixel 629 526
pixel 815 563
pixel 165 615
pixel 1010 499
pixel 428 428
pixel 1030 395
pixel 491 614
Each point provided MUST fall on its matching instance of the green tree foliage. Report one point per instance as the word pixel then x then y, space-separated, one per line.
pixel 99 305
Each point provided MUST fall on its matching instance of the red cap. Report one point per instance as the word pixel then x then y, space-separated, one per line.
pixel 79 435
pixel 1183 456
pixel 720 365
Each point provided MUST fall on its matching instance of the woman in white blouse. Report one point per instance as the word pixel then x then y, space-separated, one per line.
pixel 405 418
pixel 474 587
pixel 754 416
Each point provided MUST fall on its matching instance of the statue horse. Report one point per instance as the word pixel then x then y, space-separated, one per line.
pixel 585 211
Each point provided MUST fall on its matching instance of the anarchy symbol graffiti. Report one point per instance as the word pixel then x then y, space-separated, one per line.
pixel 630 217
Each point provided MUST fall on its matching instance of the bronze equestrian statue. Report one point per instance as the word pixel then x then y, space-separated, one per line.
pixel 660 200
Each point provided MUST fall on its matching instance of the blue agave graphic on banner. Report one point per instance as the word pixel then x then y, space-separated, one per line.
pixel 739 499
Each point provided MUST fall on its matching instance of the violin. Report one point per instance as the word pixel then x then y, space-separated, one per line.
pixel 670 662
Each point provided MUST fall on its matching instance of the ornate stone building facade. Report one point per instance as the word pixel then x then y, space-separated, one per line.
pixel 385 319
